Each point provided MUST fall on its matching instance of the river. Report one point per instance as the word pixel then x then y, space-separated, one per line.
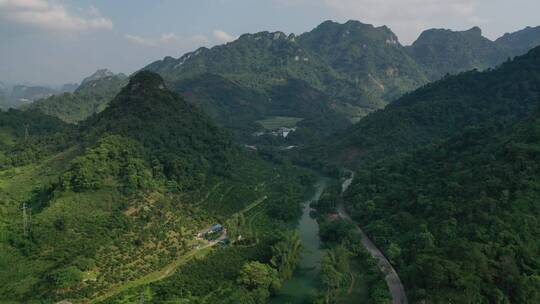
pixel 304 283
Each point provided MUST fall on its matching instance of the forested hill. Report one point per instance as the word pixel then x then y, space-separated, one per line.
pixel 92 96
pixel 122 194
pixel 441 51
pixel 176 132
pixel 442 109
pixel 354 63
pixel 447 184
pixel 460 220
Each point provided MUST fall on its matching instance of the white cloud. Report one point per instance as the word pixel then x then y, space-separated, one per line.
pixel 48 15
pixel 167 39
pixel 139 40
pixel 222 36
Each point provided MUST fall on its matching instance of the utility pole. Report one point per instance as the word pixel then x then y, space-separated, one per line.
pixel 26 126
pixel 141 297
pixel 25 220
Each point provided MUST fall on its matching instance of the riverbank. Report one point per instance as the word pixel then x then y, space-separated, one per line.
pixel 391 276
pixel 304 284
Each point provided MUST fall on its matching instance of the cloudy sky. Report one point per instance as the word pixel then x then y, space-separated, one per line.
pixel 60 41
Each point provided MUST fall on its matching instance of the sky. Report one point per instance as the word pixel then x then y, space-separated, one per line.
pixel 61 41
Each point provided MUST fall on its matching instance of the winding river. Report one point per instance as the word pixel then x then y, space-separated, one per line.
pixel 304 283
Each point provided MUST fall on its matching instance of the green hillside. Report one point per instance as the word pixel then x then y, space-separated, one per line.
pixel 122 196
pixel 370 56
pixel 460 219
pixel 446 185
pixel 91 97
pixel 442 109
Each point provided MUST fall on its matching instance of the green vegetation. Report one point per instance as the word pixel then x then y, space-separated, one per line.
pixel 442 52
pixel 441 110
pixel 115 204
pixel 110 210
pixel 90 98
pixel 358 68
pixel 348 272
pixel 240 108
pixel 468 211
pixel 452 202
pixel 277 122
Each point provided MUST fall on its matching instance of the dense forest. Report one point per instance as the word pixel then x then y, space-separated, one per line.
pixel 447 185
pixel 460 219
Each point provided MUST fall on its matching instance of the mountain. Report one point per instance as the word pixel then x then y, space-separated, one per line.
pixel 91 97
pixel 122 195
pixel 441 51
pixel 521 41
pixel 263 60
pixel 146 111
pixel 69 87
pixel 359 67
pixel 371 56
pixel 100 74
pixel 446 184
pixel 441 109
pixel 19 95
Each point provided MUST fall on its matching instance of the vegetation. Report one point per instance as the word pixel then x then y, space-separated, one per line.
pixel 456 216
pixel 441 110
pixel 348 272
pixel 277 122
pixel 109 210
pixel 91 97
pixel 286 254
pixel 465 233
pixel 442 52
pixel 123 195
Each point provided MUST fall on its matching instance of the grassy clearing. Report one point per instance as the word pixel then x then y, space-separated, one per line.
pixel 277 122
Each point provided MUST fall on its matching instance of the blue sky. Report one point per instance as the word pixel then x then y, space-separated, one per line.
pixel 59 41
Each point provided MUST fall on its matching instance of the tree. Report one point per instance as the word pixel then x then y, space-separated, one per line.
pixel 256 275
pixel 67 277
pixel 394 252
pixel 335 270
pixel 286 254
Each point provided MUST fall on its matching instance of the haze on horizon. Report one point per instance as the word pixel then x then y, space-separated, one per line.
pixel 55 42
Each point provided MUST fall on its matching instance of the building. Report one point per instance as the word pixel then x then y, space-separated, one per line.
pixel 216 228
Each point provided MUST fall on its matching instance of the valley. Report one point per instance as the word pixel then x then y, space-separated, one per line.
pixel 332 166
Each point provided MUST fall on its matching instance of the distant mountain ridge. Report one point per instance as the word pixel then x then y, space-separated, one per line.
pixel 521 41
pixel 441 51
pixel 100 74
pixel 355 64
pixel 91 97
pixel 356 68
